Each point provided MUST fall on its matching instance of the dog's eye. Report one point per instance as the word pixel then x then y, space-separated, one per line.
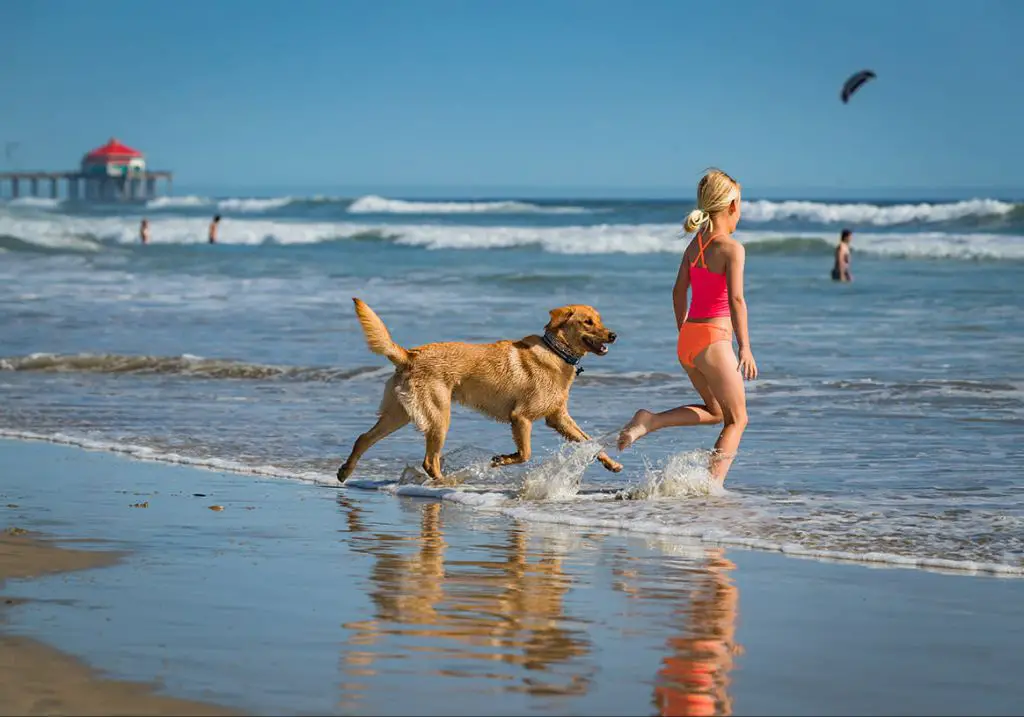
pixel 589 322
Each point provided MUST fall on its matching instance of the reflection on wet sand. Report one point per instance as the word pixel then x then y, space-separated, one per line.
pixel 693 678
pixel 494 612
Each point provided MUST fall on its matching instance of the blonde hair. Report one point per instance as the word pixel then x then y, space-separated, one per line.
pixel 715 191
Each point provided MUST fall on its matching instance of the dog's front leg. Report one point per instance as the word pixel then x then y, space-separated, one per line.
pixel 521 429
pixel 566 426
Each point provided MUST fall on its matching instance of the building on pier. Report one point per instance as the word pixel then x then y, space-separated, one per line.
pixel 112 173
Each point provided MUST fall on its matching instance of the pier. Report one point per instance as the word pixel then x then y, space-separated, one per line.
pixel 78 186
pixel 111 173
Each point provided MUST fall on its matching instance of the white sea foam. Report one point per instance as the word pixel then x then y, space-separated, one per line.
pixel 873 214
pixel 240 205
pixel 857 214
pixel 66 230
pixel 603 238
pixel 609 238
pixel 253 205
pixel 146 453
pixel 373 204
pixel 59 230
pixel 370 204
pixel 178 202
pixel 35 202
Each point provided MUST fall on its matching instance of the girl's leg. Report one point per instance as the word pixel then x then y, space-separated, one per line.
pixel 697 414
pixel 719 366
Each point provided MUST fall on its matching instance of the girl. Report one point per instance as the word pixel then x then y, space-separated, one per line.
pixel 712 266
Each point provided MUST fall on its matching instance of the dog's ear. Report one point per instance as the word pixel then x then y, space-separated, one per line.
pixel 559 317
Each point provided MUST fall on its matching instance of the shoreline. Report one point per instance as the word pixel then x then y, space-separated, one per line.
pixel 876 560
pixel 297 600
pixel 36 678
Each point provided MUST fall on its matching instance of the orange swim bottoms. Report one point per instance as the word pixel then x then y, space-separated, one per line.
pixel 694 338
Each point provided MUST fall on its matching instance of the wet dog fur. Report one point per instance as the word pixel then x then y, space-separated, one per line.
pixel 514 382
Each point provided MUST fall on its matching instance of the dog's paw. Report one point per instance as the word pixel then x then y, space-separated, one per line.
pixel 344 472
pixel 613 466
pixel 512 459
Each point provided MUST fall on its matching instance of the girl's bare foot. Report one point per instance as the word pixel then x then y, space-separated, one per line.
pixel 638 427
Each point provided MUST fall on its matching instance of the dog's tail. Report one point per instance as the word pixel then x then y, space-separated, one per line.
pixel 377 336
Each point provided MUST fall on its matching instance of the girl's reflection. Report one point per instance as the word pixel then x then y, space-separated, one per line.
pixel 694 679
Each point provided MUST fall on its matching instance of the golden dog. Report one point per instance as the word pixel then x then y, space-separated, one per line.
pixel 514 382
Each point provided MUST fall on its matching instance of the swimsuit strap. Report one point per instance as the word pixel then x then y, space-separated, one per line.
pixel 700 250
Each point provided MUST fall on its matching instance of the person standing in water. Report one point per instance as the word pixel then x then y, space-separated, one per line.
pixel 213 229
pixel 712 268
pixel 841 266
pixel 144 231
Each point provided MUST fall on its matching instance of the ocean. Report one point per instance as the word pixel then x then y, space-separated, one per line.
pixel 885 426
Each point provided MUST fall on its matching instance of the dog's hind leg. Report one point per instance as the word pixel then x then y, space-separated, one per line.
pixel 392 417
pixel 567 427
pixel 521 430
pixel 439 414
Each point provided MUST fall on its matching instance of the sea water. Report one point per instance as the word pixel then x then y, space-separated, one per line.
pixel 885 426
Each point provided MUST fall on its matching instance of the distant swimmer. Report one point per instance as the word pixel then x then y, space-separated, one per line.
pixel 841 267
pixel 213 229
pixel 712 268
pixel 144 231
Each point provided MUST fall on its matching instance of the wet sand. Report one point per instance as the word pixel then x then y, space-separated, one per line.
pixel 298 599
pixel 36 679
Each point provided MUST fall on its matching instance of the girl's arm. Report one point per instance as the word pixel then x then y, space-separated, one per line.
pixel 679 298
pixel 735 261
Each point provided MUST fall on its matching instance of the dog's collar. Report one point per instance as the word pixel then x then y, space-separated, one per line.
pixel 562 351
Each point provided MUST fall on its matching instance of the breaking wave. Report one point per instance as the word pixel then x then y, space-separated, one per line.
pixel 966 230
pixel 373 204
pixel 976 211
pixel 874 214
pixel 48 245
pixel 369 204
pixel 75 235
pixel 184 365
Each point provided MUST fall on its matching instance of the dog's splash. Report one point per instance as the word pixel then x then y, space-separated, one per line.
pixel 556 478
pixel 468 465
pixel 559 477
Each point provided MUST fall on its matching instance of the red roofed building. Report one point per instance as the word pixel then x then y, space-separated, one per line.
pixel 114 159
pixel 112 173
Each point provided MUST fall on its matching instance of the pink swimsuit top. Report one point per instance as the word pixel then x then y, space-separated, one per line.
pixel 710 291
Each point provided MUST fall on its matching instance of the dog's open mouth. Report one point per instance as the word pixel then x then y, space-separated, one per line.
pixel 596 346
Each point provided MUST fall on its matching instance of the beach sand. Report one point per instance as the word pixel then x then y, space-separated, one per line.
pixel 36 679
pixel 300 599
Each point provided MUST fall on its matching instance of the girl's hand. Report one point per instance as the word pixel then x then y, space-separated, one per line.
pixel 747 365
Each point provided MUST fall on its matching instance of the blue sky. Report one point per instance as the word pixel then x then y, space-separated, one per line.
pixel 537 97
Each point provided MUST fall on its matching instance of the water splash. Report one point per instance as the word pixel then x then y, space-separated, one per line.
pixel 680 476
pixel 559 477
pixel 466 465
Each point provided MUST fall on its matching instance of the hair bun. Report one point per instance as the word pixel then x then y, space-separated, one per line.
pixel 694 220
